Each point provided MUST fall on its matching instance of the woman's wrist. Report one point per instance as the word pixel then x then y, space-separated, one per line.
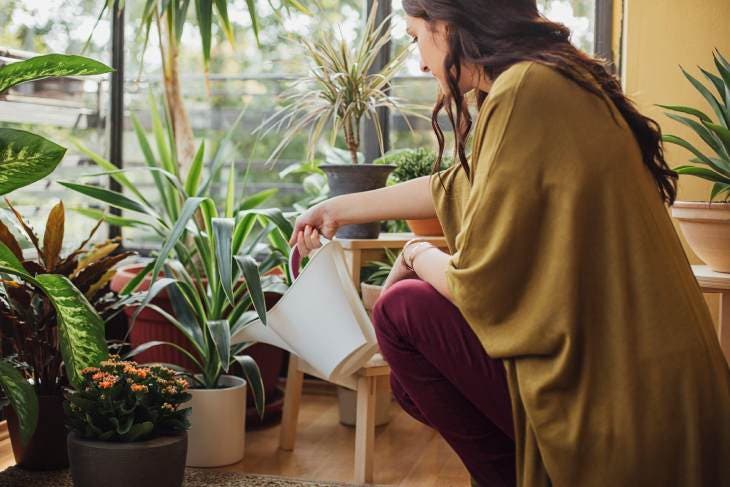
pixel 412 250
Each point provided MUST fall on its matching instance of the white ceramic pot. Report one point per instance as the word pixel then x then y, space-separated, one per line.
pixel 218 424
pixel 706 226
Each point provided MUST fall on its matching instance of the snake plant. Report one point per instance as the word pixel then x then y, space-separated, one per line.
pixel 714 131
pixel 205 262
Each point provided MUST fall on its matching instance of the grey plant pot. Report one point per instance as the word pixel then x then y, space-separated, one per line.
pixel 159 462
pixel 355 178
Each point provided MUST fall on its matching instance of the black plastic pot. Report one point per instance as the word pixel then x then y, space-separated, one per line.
pixel 46 449
pixel 159 462
pixel 355 178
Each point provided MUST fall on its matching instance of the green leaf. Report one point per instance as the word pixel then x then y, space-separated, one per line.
pixel 22 399
pixel 189 208
pixel 157 343
pixel 220 331
pixel 724 135
pixel 140 430
pixel 223 236
pixel 25 158
pixel 250 270
pixel 152 163
pixel 703 173
pixel 689 110
pixel 275 216
pixel 83 343
pixel 717 189
pixel 10 264
pixel 196 169
pixel 231 191
pixel 112 198
pixel 254 19
pixel 112 170
pixel 222 8
pixel 709 97
pixel 47 66
pixel 137 280
pixel 204 9
pixel 253 377
pixel 257 199
pixel 243 228
pixel 672 139
pixel 215 163
pixel 119 221
pixel 700 130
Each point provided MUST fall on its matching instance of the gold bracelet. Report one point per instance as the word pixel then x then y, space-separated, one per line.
pixel 409 265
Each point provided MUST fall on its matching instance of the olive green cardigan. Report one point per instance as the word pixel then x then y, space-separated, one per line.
pixel 567 266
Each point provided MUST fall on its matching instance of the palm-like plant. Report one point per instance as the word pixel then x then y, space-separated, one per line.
pixel 714 167
pixel 213 281
pixel 25 158
pixel 339 90
pixel 169 18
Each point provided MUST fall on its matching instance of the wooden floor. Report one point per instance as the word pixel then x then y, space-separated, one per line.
pixel 407 452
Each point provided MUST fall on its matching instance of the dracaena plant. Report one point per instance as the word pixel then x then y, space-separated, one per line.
pixel 339 90
pixel 205 262
pixel 714 131
pixel 24 159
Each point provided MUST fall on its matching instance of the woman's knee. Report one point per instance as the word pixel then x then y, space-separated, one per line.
pixel 402 303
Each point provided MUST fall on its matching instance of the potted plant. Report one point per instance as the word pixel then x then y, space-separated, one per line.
pixel 34 331
pixel 374 275
pixel 174 187
pixel 215 288
pixel 71 328
pixel 706 225
pixel 127 426
pixel 341 88
pixel 411 164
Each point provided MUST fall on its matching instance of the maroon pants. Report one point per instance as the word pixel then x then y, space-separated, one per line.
pixel 441 375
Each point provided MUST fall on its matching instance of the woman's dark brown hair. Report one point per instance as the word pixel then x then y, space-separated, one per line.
pixel 496 34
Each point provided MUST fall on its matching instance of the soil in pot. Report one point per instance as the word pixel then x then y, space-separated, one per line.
pixel 46 449
pixel 159 462
pixel 355 178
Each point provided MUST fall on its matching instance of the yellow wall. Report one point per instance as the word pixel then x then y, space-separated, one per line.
pixel 658 36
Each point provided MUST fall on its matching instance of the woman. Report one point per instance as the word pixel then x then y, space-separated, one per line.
pixel 563 340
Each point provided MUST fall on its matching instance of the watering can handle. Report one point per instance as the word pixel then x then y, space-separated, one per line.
pixel 295 258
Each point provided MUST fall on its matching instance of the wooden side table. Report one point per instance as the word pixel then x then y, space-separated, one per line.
pixel 712 282
pixel 359 252
pixel 373 375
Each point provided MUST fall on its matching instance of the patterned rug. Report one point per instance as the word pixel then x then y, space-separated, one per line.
pixel 194 477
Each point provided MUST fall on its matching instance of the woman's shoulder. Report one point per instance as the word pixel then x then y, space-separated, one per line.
pixel 530 77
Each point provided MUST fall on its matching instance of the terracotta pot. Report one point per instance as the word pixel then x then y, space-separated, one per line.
pixel 370 295
pixel 355 178
pixel 217 424
pixel 706 226
pixel 429 227
pixel 46 449
pixel 151 325
pixel 159 462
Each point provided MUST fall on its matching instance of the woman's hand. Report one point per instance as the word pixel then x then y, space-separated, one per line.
pixel 399 272
pixel 317 220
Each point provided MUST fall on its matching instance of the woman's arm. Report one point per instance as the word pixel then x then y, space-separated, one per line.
pixel 430 265
pixel 411 199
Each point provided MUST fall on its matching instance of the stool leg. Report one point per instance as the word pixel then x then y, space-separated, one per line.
pixel 292 397
pixel 365 430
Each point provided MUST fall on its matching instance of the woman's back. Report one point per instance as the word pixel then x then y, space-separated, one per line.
pixel 568 267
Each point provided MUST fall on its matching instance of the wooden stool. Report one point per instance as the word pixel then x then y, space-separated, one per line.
pixel 368 377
